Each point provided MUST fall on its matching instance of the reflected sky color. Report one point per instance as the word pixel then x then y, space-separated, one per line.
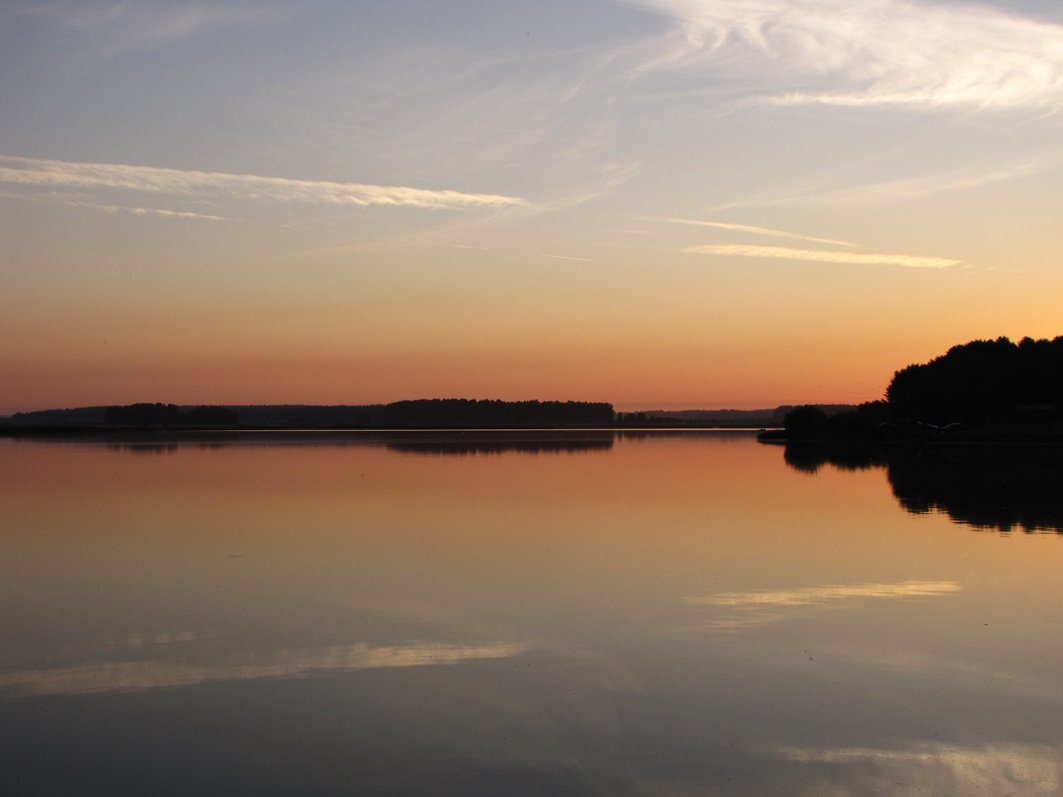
pixel 939 768
pixel 668 614
pixel 833 592
pixel 153 674
pixel 748 609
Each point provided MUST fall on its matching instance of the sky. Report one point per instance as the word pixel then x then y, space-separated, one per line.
pixel 657 203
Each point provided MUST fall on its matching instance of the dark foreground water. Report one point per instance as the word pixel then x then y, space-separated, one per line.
pixel 659 614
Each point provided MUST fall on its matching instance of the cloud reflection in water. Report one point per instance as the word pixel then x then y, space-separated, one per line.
pixel 761 606
pixel 935 768
pixel 304 663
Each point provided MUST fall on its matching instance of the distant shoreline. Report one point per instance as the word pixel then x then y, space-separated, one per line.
pixel 86 431
pixel 151 418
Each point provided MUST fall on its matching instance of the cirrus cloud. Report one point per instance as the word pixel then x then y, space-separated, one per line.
pixel 31 172
pixel 875 52
pixel 721 225
pixel 822 256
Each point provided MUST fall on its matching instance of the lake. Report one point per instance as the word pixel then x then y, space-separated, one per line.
pixel 527 613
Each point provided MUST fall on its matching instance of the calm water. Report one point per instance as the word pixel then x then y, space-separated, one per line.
pixel 659 614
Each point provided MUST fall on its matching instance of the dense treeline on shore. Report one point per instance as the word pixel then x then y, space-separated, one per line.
pixel 985 388
pixel 169 415
pixel 984 381
pixel 695 419
pixel 444 413
pixel 422 413
pixel 419 413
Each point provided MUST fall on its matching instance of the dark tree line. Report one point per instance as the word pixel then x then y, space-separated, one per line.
pixel 984 381
pixel 452 413
pixel 979 383
pixel 812 422
pixel 167 415
pixel 423 413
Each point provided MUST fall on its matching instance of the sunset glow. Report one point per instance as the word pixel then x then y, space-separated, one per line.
pixel 655 203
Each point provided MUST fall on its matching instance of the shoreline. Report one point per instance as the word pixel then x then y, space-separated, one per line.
pixel 207 432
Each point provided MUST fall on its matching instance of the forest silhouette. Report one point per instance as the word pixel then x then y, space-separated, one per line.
pixel 971 387
pixel 413 414
pixel 1016 388
pixel 984 381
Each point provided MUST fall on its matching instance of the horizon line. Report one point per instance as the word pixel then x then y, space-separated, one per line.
pixel 624 407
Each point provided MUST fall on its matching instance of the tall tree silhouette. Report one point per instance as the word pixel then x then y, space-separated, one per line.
pixel 984 381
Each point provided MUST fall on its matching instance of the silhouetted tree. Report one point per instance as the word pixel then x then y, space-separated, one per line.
pixel 984 381
pixel 454 413
pixel 212 416
pixel 143 414
pixel 805 423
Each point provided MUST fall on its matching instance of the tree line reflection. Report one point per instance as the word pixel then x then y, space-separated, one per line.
pixel 986 487
pixel 454 449
pixel 472 443
pixel 429 442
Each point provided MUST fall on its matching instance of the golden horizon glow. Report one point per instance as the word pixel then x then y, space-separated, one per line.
pixel 573 206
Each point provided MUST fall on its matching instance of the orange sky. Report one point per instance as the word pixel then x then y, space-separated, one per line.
pixel 675 206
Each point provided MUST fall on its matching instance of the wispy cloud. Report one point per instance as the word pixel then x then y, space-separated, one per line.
pixel 822 256
pixel 755 230
pixel 756 608
pixel 139 211
pixel 875 52
pixel 575 259
pixel 934 767
pixel 153 673
pixel 221 185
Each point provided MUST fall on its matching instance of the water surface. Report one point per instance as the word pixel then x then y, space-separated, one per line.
pixel 514 613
